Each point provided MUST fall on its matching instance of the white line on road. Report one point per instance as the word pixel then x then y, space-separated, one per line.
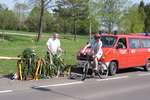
pixel 63 84
pixel 6 91
pixel 145 74
pixel 115 78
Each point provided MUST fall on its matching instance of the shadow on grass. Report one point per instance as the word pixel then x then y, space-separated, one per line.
pixel 9 76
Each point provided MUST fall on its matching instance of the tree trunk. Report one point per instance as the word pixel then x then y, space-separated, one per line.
pixel 109 27
pixel 74 30
pixel 90 30
pixel 41 20
pixel 64 26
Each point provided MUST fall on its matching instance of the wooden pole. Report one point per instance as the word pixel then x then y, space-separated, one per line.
pixel 9 58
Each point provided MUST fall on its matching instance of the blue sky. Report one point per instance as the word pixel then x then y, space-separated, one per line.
pixel 138 1
pixel 10 3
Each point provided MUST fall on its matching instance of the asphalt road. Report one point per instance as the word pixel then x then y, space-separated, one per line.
pixel 130 85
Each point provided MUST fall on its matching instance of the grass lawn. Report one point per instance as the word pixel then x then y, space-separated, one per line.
pixel 14 45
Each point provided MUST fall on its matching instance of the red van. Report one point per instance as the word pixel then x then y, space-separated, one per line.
pixel 125 51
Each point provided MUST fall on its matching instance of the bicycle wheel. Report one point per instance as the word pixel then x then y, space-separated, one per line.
pixel 85 71
pixel 102 71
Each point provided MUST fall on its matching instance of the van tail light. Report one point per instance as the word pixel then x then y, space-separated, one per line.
pixel 78 55
pixel 103 57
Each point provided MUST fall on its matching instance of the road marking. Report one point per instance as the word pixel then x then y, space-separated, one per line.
pixel 6 91
pixel 57 85
pixel 146 74
pixel 115 78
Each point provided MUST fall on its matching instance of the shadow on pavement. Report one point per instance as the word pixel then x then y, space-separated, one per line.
pixel 41 89
pixel 130 70
pixel 55 92
pixel 76 72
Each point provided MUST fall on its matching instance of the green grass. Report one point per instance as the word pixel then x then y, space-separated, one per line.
pixel 14 45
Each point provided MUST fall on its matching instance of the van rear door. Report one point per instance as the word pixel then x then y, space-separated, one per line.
pixel 135 53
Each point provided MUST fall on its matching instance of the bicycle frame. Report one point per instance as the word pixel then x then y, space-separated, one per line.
pixel 89 63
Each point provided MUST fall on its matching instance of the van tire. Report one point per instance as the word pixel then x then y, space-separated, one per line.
pixel 112 68
pixel 147 66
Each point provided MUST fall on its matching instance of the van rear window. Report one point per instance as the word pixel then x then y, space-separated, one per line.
pixel 108 41
pixel 139 43
pixel 134 43
pixel 145 43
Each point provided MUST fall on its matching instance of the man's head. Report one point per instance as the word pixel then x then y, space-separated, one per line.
pixel 96 36
pixel 55 35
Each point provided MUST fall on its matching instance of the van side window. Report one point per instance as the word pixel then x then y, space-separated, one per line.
pixel 108 41
pixel 122 43
pixel 134 43
pixel 145 43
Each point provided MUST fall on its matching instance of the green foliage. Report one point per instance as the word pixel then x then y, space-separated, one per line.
pixel 147 17
pixel 21 11
pixel 110 12
pixel 133 21
pixel 28 52
pixel 77 16
pixel 32 21
pixel 76 13
pixel 54 65
pixel 93 16
pixel 8 19
pixel 26 65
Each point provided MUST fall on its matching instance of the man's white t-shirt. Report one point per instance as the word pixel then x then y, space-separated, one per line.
pixel 53 45
pixel 97 48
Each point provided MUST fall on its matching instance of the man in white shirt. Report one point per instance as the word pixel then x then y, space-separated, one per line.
pixel 53 44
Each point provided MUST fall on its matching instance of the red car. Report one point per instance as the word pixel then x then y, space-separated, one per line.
pixel 124 51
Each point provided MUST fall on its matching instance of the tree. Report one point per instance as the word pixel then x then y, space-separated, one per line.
pixel 142 13
pixel 8 20
pixel 132 20
pixel 73 10
pixel 110 13
pixel 147 17
pixel 93 17
pixel 21 10
pixel 62 16
pixel 44 5
pixel 145 12
pixel 1 7
pixel 33 20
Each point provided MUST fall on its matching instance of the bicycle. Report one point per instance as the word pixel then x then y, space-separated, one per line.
pixel 102 70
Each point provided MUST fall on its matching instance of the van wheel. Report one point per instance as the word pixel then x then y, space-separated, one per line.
pixel 112 68
pixel 147 66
